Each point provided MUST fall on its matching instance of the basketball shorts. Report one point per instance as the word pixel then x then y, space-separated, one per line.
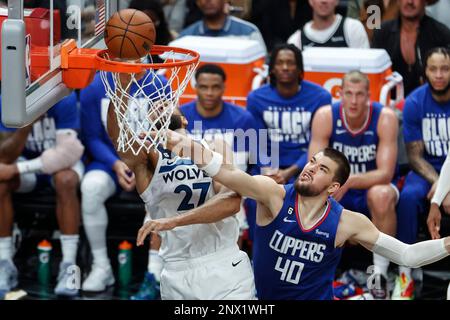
pixel 223 275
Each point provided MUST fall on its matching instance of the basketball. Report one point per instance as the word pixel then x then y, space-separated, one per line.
pixel 129 34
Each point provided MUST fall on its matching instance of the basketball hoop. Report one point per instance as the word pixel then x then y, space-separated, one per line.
pixel 148 109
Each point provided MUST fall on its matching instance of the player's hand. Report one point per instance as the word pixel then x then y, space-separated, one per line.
pixel 278 177
pixel 8 171
pixel 125 176
pixel 432 191
pixel 434 221
pixel 174 141
pixel 273 173
pixel 157 225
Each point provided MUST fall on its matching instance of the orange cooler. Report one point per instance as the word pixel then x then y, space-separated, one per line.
pixel 326 66
pixel 241 59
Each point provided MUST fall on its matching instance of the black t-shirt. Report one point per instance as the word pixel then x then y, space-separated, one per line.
pixel 431 34
pixel 274 20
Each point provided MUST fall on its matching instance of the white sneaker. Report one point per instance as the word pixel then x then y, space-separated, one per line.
pixel 67 284
pixel 8 277
pixel 98 279
pixel 448 292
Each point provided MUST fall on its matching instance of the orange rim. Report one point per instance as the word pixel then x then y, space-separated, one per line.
pixel 79 65
pixel 106 64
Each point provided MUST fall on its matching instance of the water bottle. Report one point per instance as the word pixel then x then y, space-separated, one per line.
pixel 125 266
pixel 44 272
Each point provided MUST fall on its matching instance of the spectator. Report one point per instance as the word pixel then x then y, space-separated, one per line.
pixel 175 13
pixel 193 13
pixel 367 134
pixel 426 118
pixel 358 8
pixel 216 23
pixel 285 108
pixel 408 38
pixel 46 153
pixel 105 176
pixel 210 117
pixel 277 19
pixel 328 29
pixel 154 10
pixel 388 11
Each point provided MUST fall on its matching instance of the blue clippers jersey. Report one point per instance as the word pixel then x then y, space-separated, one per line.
pixel 63 115
pixel 360 147
pixel 426 120
pixel 291 263
pixel 288 120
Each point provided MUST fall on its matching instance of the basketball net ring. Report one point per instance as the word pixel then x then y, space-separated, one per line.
pixel 143 115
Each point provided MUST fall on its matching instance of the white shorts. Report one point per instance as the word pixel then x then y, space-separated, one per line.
pixel 224 275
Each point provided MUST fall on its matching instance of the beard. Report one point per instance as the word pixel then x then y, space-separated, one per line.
pixel 441 92
pixel 306 190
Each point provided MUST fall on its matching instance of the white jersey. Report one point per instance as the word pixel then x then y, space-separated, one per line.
pixel 177 186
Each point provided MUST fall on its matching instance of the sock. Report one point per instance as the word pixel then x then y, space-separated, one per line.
pixel 101 257
pixel 155 264
pixel 6 248
pixel 69 246
pixel 381 264
pixel 405 270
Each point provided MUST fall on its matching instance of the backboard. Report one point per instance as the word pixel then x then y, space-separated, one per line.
pixel 31 38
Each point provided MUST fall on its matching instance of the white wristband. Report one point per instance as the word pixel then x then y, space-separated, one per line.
pixel 30 166
pixel 213 167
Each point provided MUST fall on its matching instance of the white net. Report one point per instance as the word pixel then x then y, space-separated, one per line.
pixel 144 103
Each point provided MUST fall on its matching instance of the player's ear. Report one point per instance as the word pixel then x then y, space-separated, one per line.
pixel 334 187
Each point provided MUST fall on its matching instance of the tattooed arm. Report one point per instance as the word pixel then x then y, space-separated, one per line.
pixel 417 162
pixel 13 143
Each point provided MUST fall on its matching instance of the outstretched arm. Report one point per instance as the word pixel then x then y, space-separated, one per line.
pixel 443 184
pixel 440 197
pixel 359 228
pixel 222 205
pixel 260 188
